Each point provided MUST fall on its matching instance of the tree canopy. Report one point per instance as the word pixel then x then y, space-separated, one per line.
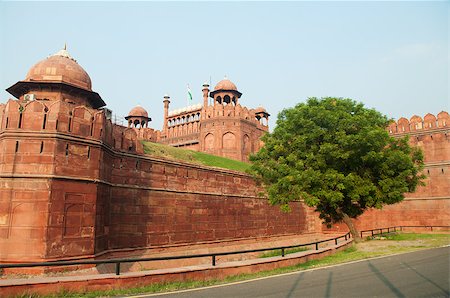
pixel 337 156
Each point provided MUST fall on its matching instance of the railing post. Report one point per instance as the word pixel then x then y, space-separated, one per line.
pixel 345 236
pixel 213 260
pixel 431 227
pixel 361 234
pixel 317 246
pixel 372 233
pixel 118 268
pixel 388 230
pixel 282 252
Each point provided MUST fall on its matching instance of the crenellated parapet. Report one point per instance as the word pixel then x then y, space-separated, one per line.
pixel 419 124
pixel 432 134
pixel 72 132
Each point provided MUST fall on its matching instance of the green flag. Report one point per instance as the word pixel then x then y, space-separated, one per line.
pixel 189 93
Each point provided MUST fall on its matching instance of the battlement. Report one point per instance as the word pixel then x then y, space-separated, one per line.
pixel 85 124
pixel 417 124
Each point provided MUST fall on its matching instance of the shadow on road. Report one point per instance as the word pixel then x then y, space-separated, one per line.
pixel 386 281
pixel 426 278
pixel 295 285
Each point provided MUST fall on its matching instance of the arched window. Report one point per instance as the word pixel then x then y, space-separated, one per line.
pixel 226 100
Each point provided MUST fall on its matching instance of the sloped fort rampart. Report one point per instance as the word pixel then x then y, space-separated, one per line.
pixel 75 185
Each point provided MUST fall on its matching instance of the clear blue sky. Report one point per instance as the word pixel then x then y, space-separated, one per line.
pixel 392 56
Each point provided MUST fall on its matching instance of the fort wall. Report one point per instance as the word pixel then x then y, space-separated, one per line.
pixel 429 204
pixel 170 203
pixel 74 185
pixel 432 135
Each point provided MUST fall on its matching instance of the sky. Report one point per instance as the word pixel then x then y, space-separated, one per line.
pixel 391 55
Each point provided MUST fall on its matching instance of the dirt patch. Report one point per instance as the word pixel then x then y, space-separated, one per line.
pixel 382 244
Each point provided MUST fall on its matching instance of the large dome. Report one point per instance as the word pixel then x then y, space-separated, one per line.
pixel 60 67
pixel 225 84
pixel 138 111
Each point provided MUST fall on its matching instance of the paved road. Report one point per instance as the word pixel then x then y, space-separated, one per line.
pixel 419 274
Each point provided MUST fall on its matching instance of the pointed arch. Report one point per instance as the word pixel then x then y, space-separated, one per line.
pixel 33 115
pixel 228 140
pixel 209 142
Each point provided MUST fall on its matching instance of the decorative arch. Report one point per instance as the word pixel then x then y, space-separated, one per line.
pixel 73 217
pixel 226 99
pixel 229 141
pixel 443 119
pixel 12 109
pixel 403 125
pixel 429 121
pixel 209 142
pixel 393 127
pixel 416 122
pixel 247 146
pixel 33 115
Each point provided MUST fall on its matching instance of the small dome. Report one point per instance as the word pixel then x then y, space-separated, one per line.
pixel 225 84
pixel 138 111
pixel 260 110
pixel 60 67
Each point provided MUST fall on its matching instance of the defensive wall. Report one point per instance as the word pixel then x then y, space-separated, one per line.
pixel 74 185
pixel 429 204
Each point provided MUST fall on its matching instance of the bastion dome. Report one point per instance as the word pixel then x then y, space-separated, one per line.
pixel 60 67
pixel 225 84
pixel 138 111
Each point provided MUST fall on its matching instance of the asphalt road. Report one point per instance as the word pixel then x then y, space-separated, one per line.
pixel 420 274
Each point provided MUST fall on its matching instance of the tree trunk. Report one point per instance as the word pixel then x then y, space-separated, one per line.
pixel 348 221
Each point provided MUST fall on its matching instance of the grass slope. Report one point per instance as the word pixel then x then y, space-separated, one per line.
pixel 178 154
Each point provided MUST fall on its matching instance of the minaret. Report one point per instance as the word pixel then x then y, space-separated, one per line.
pixel 166 102
pixel 205 94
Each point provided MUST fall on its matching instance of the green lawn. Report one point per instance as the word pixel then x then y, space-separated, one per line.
pixel 178 154
pixel 278 252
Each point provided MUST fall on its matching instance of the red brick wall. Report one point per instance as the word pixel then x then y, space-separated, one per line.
pixel 23 218
pixel 410 212
pixel 429 204
pixel 77 187
pixel 169 203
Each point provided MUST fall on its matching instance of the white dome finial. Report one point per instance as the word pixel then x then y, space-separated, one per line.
pixel 64 53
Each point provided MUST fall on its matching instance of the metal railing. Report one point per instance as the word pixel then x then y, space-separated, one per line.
pixel 379 231
pixel 213 256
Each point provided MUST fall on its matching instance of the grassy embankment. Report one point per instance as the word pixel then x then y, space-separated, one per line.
pixel 178 154
pixel 387 245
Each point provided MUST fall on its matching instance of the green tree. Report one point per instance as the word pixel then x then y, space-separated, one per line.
pixel 337 156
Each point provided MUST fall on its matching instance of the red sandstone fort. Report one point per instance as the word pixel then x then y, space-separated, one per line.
pixel 75 185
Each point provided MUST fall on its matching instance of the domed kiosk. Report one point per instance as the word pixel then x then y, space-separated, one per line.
pixel 225 92
pixel 138 117
pixel 61 73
